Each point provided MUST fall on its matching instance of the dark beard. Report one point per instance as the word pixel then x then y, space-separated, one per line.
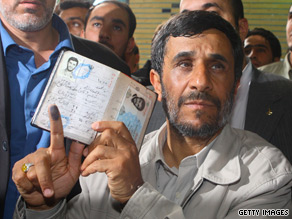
pixel 186 129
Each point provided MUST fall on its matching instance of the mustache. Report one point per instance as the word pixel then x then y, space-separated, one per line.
pixel 197 95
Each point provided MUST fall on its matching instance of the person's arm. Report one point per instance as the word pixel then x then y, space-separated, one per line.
pixel 271 197
pixel 148 203
pixel 22 212
pixel 53 174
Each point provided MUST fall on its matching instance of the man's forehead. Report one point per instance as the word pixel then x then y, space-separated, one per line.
pixel 114 10
pixel 256 39
pixel 216 39
pixel 200 4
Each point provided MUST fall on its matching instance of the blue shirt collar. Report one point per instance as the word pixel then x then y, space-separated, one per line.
pixel 58 24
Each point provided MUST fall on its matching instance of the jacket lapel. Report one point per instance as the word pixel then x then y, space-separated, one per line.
pixel 4 129
pixel 263 110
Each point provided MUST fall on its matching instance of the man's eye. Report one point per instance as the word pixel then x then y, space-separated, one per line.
pixel 185 64
pixel 260 50
pixel 218 66
pixel 118 28
pixel 214 12
pixel 96 24
pixel 247 51
pixel 76 24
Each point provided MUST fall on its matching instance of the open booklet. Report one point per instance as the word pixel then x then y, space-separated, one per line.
pixel 86 91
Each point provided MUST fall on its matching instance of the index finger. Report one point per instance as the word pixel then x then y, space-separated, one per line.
pixel 57 136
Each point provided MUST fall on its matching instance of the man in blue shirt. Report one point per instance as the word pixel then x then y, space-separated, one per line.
pixel 31 40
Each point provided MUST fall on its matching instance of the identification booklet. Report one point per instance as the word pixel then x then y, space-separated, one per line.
pixel 86 91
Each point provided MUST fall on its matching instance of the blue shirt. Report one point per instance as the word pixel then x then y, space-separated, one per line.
pixel 27 83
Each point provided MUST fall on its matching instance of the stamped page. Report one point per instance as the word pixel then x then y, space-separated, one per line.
pixel 81 88
pixel 131 103
pixel 133 112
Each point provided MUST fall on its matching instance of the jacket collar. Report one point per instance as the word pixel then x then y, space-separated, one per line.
pixel 221 165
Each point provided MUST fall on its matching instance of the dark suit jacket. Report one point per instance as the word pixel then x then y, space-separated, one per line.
pixel 269 111
pixel 86 48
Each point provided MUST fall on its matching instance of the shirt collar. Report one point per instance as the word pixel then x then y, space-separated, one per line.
pixel 58 24
pixel 6 39
pixel 65 38
pixel 247 72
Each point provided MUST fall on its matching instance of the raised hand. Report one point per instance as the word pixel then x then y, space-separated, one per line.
pixel 53 174
pixel 115 153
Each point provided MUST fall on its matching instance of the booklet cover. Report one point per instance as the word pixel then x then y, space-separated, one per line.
pixel 86 91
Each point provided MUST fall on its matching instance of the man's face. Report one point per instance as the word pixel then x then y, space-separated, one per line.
pixel 74 18
pixel 221 7
pixel 258 49
pixel 289 29
pixel 27 16
pixel 109 24
pixel 139 103
pixel 71 65
pixel 198 82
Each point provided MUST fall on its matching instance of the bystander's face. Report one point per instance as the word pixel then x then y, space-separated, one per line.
pixel 109 24
pixel 27 16
pixel 198 83
pixel 289 29
pixel 74 18
pixel 221 7
pixel 258 49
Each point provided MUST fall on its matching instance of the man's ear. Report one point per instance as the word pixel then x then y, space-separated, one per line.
pixel 130 45
pixel 156 82
pixel 82 34
pixel 276 59
pixel 243 28
pixel 236 87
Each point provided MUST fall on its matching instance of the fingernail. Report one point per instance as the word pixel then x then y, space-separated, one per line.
pixel 48 193
pixel 54 112
pixel 95 125
pixel 85 152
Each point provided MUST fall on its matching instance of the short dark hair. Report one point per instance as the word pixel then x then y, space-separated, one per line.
pixel 190 23
pixel 237 10
pixel 72 58
pixel 270 37
pixel 72 4
pixel 122 5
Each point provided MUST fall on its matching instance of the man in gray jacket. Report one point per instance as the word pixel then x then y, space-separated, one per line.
pixel 194 166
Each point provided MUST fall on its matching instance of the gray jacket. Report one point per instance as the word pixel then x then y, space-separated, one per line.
pixel 241 171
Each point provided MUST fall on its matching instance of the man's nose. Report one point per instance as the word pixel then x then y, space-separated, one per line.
pixel 104 32
pixel 200 78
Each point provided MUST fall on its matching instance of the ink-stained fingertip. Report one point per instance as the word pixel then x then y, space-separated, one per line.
pixel 54 112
